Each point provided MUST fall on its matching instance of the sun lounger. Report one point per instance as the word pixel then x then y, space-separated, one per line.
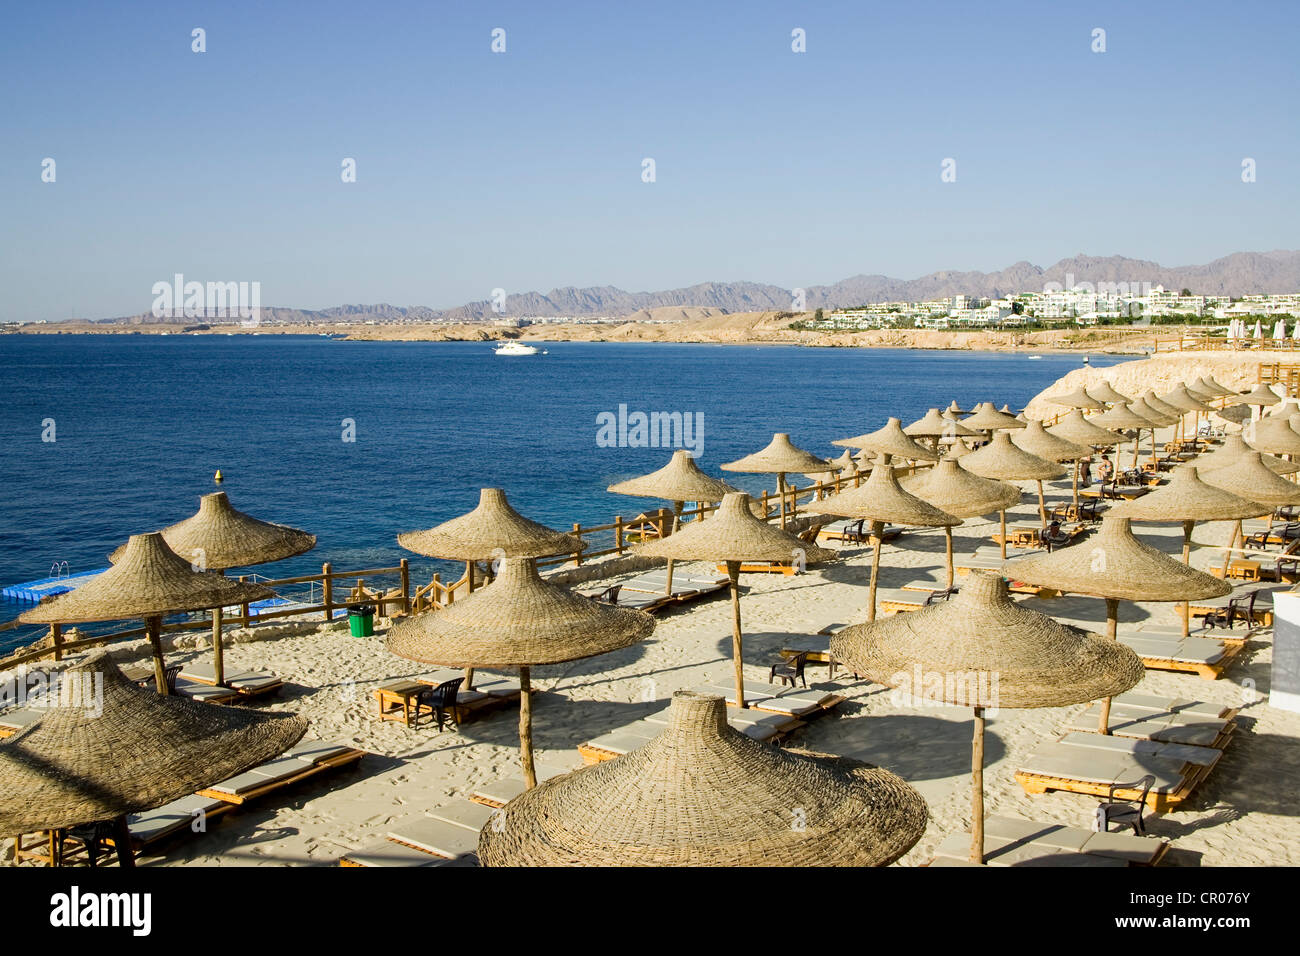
pixel 153 826
pixel 1163 724
pixel 208 693
pixel 499 792
pixel 1194 655
pixel 464 813
pixel 1089 763
pixel 244 683
pixel 438 837
pixel 855 531
pixel 19 718
pixel 290 768
pixel 806 702
pixel 1012 842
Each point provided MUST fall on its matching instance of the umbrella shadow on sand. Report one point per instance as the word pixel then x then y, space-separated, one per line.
pixel 559 723
pixel 914 746
pixel 1074 608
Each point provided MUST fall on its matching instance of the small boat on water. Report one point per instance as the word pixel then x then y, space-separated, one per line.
pixel 1034 357
pixel 514 348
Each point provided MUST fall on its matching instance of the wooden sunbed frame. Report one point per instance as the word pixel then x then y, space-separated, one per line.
pixel 1204 671
pixel 273 688
pixel 348 757
pixel 1157 802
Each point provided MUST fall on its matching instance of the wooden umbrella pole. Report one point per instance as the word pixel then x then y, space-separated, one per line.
pixel 977 789
pixel 469 589
pixel 1075 489
pixel 1042 505
pixel 780 487
pixel 1112 625
pixel 218 652
pixel 677 523
pixel 877 533
pixel 1002 522
pixel 154 627
pixel 526 728
pixel 1187 560
pixel 947 547
pixel 122 842
pixel 733 576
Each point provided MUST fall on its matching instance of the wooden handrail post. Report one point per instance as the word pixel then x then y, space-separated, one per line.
pixel 577 533
pixel 56 635
pixel 618 534
pixel 327 591
pixel 406 586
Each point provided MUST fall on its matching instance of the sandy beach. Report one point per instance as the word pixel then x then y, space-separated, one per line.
pixel 1240 817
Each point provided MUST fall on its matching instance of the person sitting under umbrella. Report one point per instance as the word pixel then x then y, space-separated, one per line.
pixel 1105 470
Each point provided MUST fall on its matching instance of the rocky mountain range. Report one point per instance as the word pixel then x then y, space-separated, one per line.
pixel 1241 273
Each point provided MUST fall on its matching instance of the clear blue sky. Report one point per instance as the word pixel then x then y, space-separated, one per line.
pixel 523 170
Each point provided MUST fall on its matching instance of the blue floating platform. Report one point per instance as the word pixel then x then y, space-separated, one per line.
pixel 33 592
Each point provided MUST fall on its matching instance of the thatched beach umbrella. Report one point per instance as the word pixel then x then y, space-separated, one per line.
pixel 1236 414
pixel 1273 434
pixel 1248 477
pixel 1003 460
pixel 679 481
pixel 1037 440
pixel 1009 656
pixel 890 439
pixel 954 409
pixel 1157 416
pixel 733 535
pixel 1208 386
pixel 842 466
pixel 1188 499
pixel 779 458
pixel 113 749
pixel 1153 402
pixel 1076 399
pixel 880 500
pixel 703 794
pixel 148 581
pixel 519 621
pixel 1184 402
pixel 989 419
pixel 1105 392
pixel 1233 449
pixel 1083 431
pixel 1116 567
pixel 492 530
pixel 952 489
pixel 958 449
pixel 219 538
pixel 934 426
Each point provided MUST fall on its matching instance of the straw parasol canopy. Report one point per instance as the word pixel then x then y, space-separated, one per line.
pixel 1184 401
pixel 679 480
pixel 1122 417
pixel 843 464
pixel 779 458
pixel 958 449
pixel 734 535
pixel 1233 449
pixel 1274 435
pixel 934 425
pixel 954 409
pixel 1248 477
pixel 1207 386
pixel 133 750
pixel 1105 392
pixel 1237 414
pixel 218 537
pixel 987 418
pixel 1038 441
pixel 1003 460
pixel 1019 658
pixel 1187 498
pixel 1075 428
pixel 1117 566
pixel 1260 395
pixel 881 499
pixel 951 488
pixel 1153 402
pixel 487 531
pixel 148 581
pixel 703 794
pixel 518 621
pixel 890 439
pixel 1157 416
pixel 1077 399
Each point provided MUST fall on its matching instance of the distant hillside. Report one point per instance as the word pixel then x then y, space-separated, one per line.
pixel 1242 273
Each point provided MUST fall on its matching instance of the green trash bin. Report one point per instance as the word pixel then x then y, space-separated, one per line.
pixel 361 620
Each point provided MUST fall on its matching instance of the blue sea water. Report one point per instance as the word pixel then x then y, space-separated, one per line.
pixel 142 422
